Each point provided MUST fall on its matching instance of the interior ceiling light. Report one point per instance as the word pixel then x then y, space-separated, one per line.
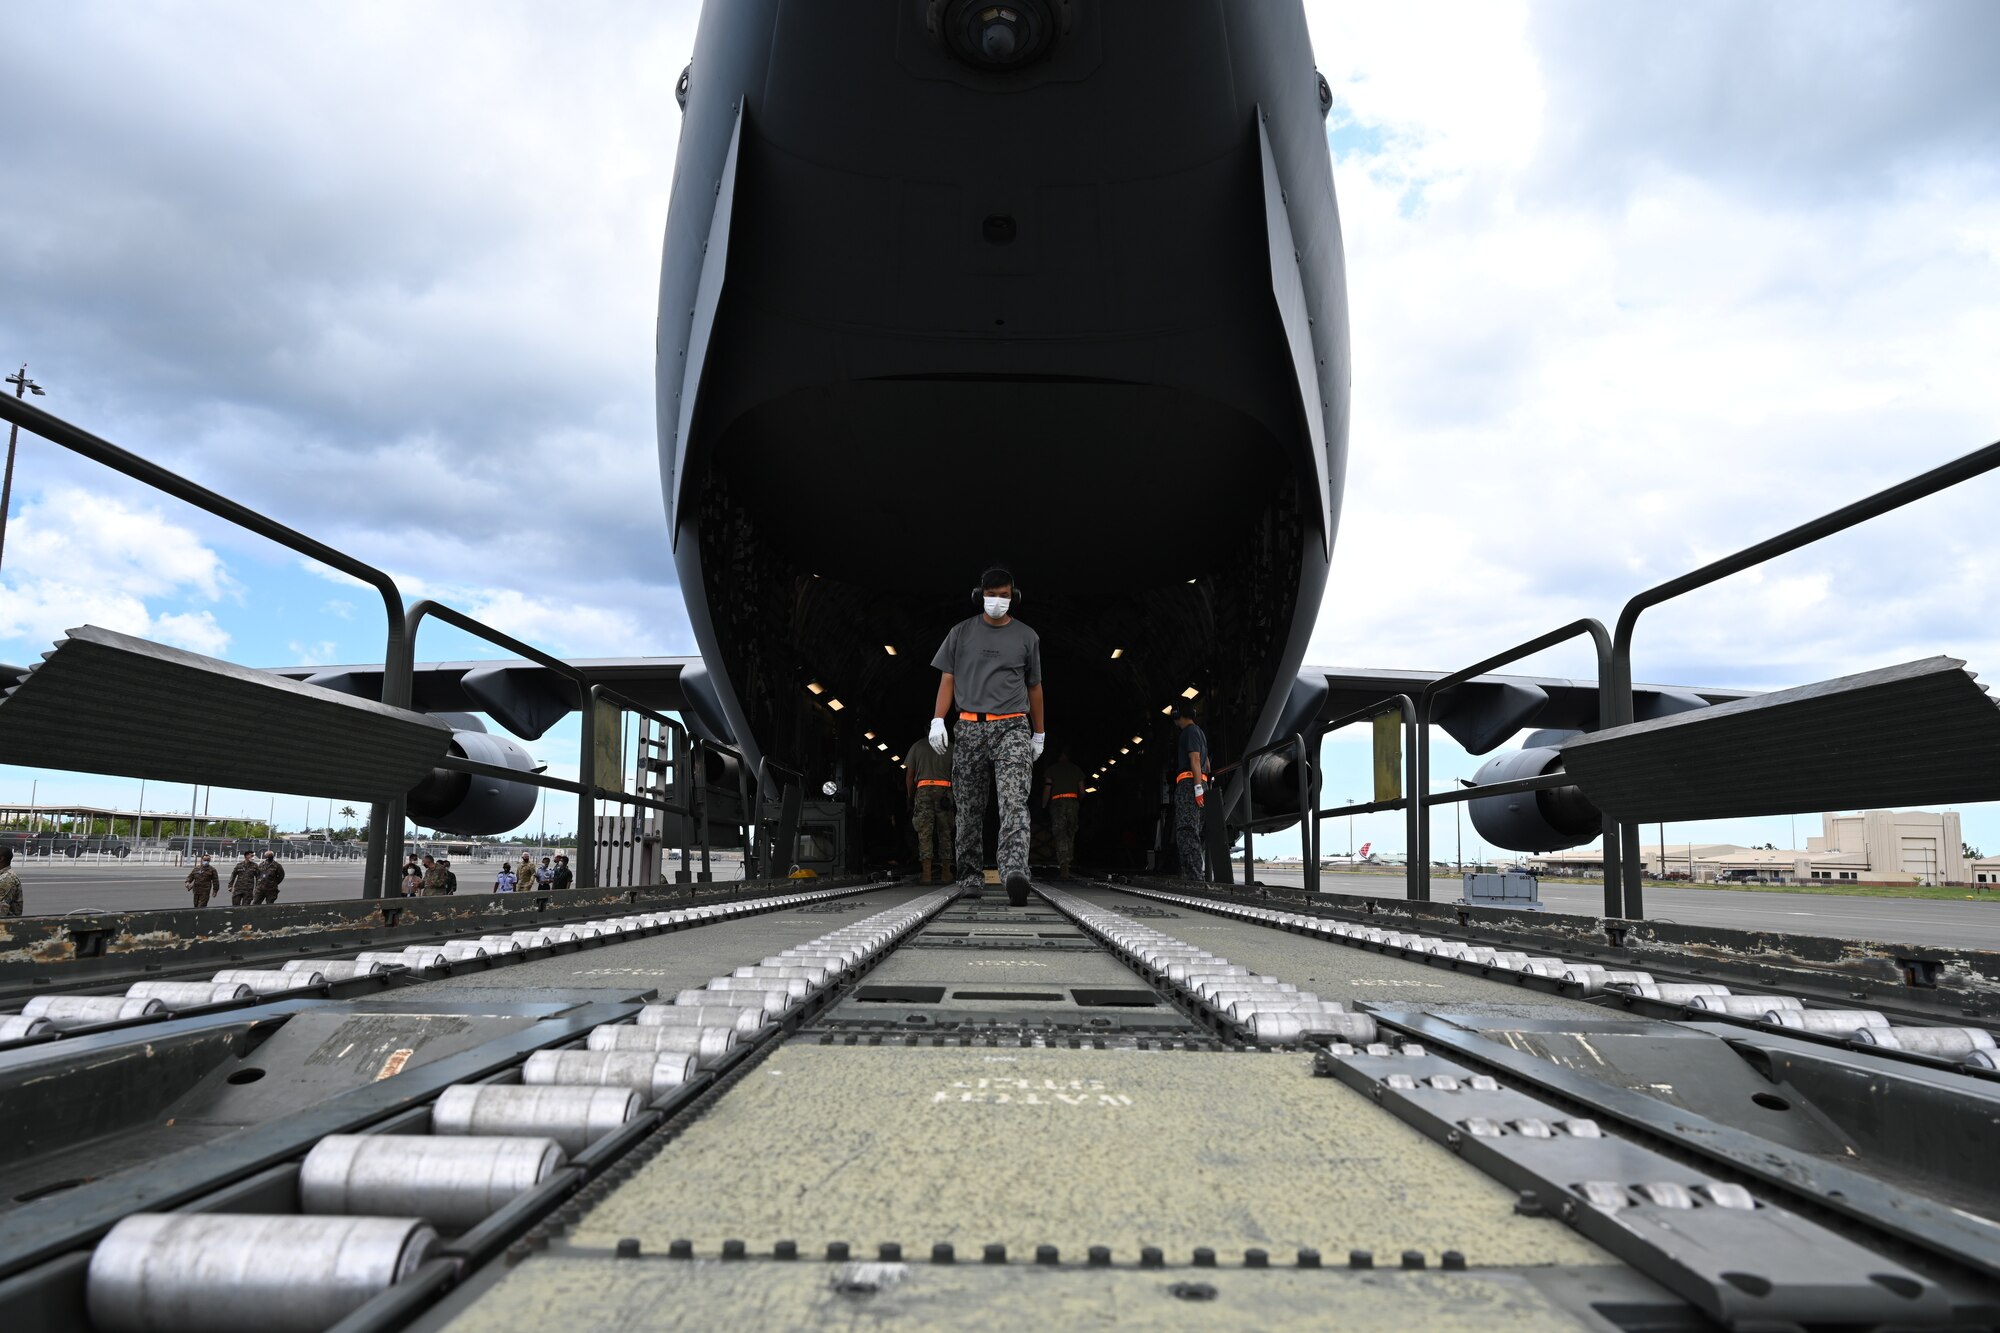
pixel 1168 711
pixel 1124 749
pixel 1117 653
pixel 884 745
pixel 868 735
pixel 1108 763
pixel 1090 789
pixel 889 648
pixel 1138 740
pixel 1190 692
pixel 815 687
pixel 895 759
pixel 835 704
pixel 1190 580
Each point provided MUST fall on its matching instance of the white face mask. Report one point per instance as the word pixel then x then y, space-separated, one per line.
pixel 996 607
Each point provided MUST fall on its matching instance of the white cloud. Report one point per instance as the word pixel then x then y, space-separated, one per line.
pixel 313 654
pixel 77 558
pixel 1578 373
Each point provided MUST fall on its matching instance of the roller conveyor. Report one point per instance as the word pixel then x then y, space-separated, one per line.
pixel 1119 1105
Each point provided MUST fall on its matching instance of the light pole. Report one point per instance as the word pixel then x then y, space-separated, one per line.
pixel 23 386
pixel 1350 831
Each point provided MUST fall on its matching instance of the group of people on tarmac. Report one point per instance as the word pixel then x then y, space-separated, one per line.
pixel 990 674
pixel 433 877
pixel 252 883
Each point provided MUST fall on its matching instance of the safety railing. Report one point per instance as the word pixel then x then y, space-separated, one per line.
pixel 1618 668
pixel 386 837
pixel 1623 866
pixel 395 650
pixel 1313 832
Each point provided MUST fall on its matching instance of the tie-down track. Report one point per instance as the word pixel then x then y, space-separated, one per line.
pixel 1112 1107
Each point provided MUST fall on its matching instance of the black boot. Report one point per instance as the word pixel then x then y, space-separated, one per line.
pixel 1017 889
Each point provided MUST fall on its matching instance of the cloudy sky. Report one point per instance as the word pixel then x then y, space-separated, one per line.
pixel 1633 285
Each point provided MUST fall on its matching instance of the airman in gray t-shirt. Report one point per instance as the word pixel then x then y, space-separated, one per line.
pixel 991 666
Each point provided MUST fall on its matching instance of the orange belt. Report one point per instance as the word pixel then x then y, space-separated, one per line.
pixel 1183 777
pixel 1063 796
pixel 932 782
pixel 988 717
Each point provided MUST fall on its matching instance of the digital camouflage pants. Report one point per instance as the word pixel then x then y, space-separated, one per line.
pixel 934 822
pixel 994 757
pixel 1187 829
pixel 1063 819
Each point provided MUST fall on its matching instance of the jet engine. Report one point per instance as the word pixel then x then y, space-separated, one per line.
pixel 1534 821
pixel 453 802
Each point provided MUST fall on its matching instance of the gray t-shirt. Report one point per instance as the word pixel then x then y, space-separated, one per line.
pixel 991 666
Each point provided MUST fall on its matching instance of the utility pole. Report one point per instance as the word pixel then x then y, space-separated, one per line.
pixel 23 386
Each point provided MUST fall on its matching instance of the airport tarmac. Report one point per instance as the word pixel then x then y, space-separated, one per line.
pixel 63 886
pixel 55 886
pixel 1961 925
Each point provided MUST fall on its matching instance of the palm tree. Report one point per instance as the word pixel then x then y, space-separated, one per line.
pixel 347 812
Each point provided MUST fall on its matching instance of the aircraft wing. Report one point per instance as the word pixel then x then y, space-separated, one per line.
pixel 1485 711
pixel 527 698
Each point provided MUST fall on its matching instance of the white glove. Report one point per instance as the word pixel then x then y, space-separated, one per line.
pixel 1200 790
pixel 939 741
pixel 1041 740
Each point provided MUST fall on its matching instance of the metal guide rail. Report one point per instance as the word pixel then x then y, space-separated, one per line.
pixel 1913 1038
pixel 364 1225
pixel 342 973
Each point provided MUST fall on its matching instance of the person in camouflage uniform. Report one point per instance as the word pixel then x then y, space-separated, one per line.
pixel 1062 793
pixel 1190 789
pixel 11 903
pixel 269 876
pixel 928 786
pixel 991 665
pixel 243 881
pixel 434 874
pixel 202 882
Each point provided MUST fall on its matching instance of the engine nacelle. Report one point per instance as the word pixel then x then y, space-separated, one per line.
pixel 461 803
pixel 1533 821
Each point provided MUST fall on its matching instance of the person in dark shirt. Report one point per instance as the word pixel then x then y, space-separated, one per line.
pixel 561 878
pixel 1190 790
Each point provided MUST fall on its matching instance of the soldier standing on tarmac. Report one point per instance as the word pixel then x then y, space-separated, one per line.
pixel 1062 793
pixel 434 873
pixel 202 881
pixel 10 885
pixel 269 876
pixel 243 881
pixel 1190 789
pixel 992 667
pixel 928 786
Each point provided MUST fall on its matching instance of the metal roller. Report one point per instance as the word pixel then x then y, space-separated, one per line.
pixel 424 955
pixel 452 1183
pixel 575 1117
pixel 1181 972
pixel 1677 992
pixel 770 1001
pixel 1946 1043
pixel 832 962
pixel 459 951
pixel 269 981
pixel 1833 1022
pixel 812 976
pixel 386 957
pixel 1597 981
pixel 1744 1006
pixel 654 1073
pixel 500 943
pixel 706 1044
pixel 245 1273
pixel 1241 1010
pixel 745 1020
pixel 1274 1028
pixel 188 994
pixel 796 987
pixel 19 1027
pixel 64 1012
pixel 338 969
pixel 534 939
